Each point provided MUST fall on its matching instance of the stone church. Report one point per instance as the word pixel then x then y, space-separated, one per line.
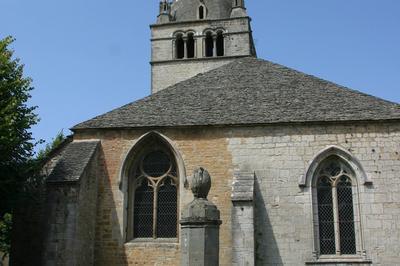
pixel 304 171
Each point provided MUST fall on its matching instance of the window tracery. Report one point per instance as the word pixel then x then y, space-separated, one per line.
pixel 154 190
pixel 335 208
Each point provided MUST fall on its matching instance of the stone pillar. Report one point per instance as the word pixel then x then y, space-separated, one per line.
pixel 200 225
pixel 214 45
pixel 185 52
pixel 243 248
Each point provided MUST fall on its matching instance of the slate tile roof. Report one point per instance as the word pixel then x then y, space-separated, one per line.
pixel 247 91
pixel 73 162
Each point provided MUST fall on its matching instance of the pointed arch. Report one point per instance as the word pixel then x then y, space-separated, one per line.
pixel 334 177
pixel 360 174
pixel 149 145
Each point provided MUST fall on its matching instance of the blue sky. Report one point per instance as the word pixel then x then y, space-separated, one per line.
pixel 88 57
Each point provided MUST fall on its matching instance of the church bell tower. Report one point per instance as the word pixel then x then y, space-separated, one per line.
pixel 194 36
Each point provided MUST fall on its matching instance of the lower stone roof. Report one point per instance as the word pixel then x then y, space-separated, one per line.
pixel 247 91
pixel 73 161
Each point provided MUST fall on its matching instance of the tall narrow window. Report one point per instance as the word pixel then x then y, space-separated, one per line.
pixel 167 209
pixel 201 12
pixel 209 43
pixel 190 45
pixel 179 47
pixel 155 195
pixel 336 225
pixel 143 209
pixel 325 217
pixel 220 44
pixel 346 216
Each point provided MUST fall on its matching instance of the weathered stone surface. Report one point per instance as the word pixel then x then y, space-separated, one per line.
pixel 243 246
pixel 186 10
pixel 278 154
pixel 71 204
pixel 201 211
pixel 242 116
pixel 243 187
pixel 201 183
pixel 200 225
pixel 166 70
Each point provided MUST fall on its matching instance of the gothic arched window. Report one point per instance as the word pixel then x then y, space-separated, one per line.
pixel 153 188
pixel 335 185
pixel 220 44
pixel 179 47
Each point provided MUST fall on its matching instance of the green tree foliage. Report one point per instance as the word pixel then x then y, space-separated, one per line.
pixel 31 190
pixel 5 234
pixel 42 154
pixel 16 120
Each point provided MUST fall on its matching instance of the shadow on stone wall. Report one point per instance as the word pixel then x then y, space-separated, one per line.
pixel 109 241
pixel 28 229
pixel 267 251
pixel 33 219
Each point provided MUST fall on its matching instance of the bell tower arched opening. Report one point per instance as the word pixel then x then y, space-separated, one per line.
pixel 209 45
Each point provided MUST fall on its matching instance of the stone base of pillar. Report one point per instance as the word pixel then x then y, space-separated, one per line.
pixel 200 226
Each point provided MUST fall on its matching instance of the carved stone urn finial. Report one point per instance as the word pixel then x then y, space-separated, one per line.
pixel 201 183
pixel 200 225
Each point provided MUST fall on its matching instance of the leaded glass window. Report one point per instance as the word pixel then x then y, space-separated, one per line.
pixel 155 196
pixel 346 216
pixel 336 225
pixel 325 217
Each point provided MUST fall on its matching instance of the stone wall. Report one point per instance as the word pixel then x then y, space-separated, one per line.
pixel 198 148
pixel 86 216
pixel 29 218
pixel 278 155
pixel 188 9
pixel 166 70
pixel 169 73
pixel 27 233
pixel 70 219
pixel 243 220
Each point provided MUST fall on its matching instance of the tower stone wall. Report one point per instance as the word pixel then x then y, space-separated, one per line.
pixel 186 10
pixel 182 19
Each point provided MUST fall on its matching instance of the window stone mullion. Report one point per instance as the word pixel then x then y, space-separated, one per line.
pixel 336 218
pixel 214 45
pixel 155 207
pixel 185 52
